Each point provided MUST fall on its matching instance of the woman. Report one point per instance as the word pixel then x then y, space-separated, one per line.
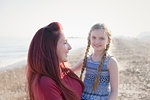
pixel 48 73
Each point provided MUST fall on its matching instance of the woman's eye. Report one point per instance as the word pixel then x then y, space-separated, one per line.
pixel 65 42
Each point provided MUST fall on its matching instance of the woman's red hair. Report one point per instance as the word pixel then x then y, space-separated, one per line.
pixel 43 61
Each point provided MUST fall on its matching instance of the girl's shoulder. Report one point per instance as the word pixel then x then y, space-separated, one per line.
pixel 112 62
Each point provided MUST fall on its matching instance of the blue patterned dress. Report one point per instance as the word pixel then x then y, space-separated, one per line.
pixel 102 92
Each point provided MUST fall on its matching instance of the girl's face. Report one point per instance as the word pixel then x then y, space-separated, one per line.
pixel 63 48
pixel 99 40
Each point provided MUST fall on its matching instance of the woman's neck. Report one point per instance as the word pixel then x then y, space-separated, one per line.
pixel 60 67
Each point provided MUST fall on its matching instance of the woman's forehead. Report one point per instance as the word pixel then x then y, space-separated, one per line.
pixel 62 37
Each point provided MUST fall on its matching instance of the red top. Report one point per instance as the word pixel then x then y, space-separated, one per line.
pixel 50 91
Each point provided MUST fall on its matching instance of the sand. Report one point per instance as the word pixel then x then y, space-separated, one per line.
pixel 133 56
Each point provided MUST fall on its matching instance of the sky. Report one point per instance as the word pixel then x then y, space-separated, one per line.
pixel 22 18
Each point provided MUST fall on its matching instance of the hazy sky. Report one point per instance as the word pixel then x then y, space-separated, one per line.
pixel 22 18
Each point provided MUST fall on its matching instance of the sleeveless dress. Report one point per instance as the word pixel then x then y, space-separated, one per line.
pixel 103 90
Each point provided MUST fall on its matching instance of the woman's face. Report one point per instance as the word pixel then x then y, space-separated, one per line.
pixel 63 48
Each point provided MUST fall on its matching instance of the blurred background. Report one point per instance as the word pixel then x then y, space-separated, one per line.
pixel 128 20
pixel 20 19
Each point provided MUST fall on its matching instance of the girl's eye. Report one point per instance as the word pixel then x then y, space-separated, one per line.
pixel 94 37
pixel 102 38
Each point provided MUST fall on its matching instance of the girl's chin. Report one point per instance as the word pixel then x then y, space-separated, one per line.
pixel 98 49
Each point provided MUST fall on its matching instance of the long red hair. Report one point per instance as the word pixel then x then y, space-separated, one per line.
pixel 43 61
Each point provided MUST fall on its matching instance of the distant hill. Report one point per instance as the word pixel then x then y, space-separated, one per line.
pixel 144 35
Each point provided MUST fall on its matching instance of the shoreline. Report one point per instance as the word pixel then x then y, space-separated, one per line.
pixel 17 64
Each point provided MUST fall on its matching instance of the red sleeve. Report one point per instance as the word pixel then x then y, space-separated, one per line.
pixel 49 89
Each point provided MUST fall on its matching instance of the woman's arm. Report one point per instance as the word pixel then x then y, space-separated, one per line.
pixel 113 70
pixel 78 66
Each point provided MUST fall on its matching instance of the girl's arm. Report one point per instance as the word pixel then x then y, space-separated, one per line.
pixel 78 66
pixel 113 70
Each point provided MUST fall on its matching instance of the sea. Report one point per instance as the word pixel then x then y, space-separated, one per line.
pixel 13 51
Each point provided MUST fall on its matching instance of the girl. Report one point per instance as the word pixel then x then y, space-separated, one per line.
pixel 48 74
pixel 101 68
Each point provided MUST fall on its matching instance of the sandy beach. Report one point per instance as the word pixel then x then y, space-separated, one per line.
pixel 133 56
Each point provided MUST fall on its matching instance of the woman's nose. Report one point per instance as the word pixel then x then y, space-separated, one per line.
pixel 69 47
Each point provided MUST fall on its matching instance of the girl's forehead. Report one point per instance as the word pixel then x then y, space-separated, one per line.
pixel 98 32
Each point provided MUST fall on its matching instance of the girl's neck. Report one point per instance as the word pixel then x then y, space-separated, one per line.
pixel 98 53
pixel 96 56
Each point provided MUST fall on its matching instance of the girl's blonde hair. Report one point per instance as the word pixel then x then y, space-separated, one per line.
pixel 107 32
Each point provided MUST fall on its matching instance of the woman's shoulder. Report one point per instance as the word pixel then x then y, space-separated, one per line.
pixel 46 81
pixel 49 90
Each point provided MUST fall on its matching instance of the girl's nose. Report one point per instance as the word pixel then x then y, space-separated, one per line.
pixel 97 40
